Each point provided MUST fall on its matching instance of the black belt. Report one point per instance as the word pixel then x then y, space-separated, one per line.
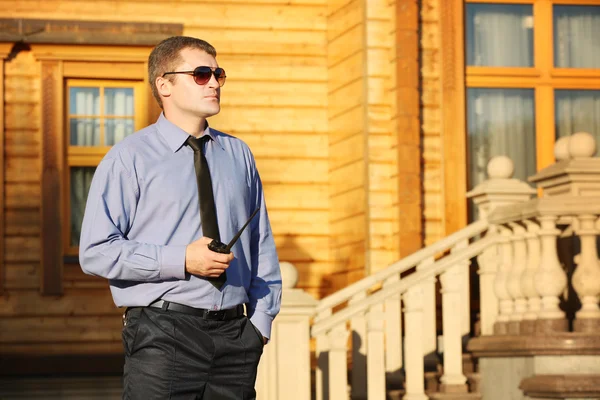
pixel 220 315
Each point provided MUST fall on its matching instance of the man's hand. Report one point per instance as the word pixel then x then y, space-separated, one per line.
pixel 201 261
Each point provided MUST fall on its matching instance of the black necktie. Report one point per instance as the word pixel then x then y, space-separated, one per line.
pixel 208 213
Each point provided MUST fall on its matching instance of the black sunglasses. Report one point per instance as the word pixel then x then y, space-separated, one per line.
pixel 202 75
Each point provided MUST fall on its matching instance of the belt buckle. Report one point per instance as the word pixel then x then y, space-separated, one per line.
pixel 219 315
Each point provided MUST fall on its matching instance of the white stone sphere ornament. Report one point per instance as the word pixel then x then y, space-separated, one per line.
pixel 561 148
pixel 582 145
pixel 289 275
pixel 500 167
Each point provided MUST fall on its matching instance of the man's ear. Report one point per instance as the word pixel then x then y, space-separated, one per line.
pixel 163 85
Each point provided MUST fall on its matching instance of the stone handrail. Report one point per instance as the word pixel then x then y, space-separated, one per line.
pixel 403 265
pixel 403 285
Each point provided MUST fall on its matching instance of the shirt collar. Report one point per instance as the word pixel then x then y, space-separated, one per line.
pixel 175 136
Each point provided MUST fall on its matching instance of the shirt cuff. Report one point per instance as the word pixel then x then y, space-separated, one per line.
pixel 263 322
pixel 172 262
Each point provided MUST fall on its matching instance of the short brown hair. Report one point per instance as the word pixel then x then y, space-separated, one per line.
pixel 167 55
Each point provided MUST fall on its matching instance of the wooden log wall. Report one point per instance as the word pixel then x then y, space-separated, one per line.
pixel 325 92
pixel 347 91
pixel 433 145
pixel 275 99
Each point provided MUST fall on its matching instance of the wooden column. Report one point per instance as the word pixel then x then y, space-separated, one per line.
pixel 408 120
pixel 52 178
pixel 453 113
pixel 4 51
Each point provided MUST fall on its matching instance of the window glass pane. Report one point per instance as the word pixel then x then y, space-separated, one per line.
pixel 500 122
pixel 118 101
pixel 117 129
pixel 81 179
pixel 577 36
pixel 85 131
pixel 577 111
pixel 84 101
pixel 499 35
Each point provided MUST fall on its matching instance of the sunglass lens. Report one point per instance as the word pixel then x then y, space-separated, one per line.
pixel 202 75
pixel 220 75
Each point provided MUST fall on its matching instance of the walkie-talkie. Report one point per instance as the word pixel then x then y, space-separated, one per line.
pixel 219 247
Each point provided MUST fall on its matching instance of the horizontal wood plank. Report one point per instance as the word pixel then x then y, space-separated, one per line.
pixel 22 276
pixel 274 94
pixel 22 222
pixel 350 149
pixel 60 329
pixel 221 15
pixel 348 204
pixel 287 145
pixel 298 171
pixel 349 43
pixel 299 222
pixel 262 41
pixel 294 196
pixel 22 194
pixel 348 177
pixel 271 119
pixel 22 249
pixel 273 68
pixel 74 302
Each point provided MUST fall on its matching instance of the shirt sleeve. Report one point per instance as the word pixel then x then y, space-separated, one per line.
pixel 104 249
pixel 265 286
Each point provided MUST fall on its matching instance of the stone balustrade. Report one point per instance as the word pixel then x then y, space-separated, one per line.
pixel 377 333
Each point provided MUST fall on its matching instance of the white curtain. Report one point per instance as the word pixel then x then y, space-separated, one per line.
pixel 85 104
pixel 500 122
pixel 577 111
pixel 118 122
pixel 81 179
pixel 577 36
pixel 118 103
pixel 499 35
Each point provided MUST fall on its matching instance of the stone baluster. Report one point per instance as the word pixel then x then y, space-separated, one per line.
pixel 376 353
pixel 550 279
pixel 290 335
pixel 586 278
pixel 338 362
pixel 358 324
pixel 500 189
pixel 429 312
pixel 514 279
pixel 453 380
pixel 528 280
pixel 506 303
pixel 462 269
pixel 415 366
pixel 488 262
pixel 322 348
pixel 393 334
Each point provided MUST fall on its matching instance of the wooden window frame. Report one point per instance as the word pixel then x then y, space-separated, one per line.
pixel 543 77
pixel 5 49
pixel 59 63
pixel 90 156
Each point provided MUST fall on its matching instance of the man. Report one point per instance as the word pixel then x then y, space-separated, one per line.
pixel 157 200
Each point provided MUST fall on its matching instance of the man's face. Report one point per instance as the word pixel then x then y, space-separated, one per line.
pixel 186 96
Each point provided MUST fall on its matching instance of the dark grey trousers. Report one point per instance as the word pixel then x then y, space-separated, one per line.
pixel 170 355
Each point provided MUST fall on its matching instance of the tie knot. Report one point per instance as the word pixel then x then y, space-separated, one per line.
pixel 196 144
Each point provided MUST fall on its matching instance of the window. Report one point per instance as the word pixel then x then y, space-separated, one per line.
pixel 532 75
pixel 99 115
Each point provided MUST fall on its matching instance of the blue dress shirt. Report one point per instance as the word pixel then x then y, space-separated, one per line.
pixel 142 211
